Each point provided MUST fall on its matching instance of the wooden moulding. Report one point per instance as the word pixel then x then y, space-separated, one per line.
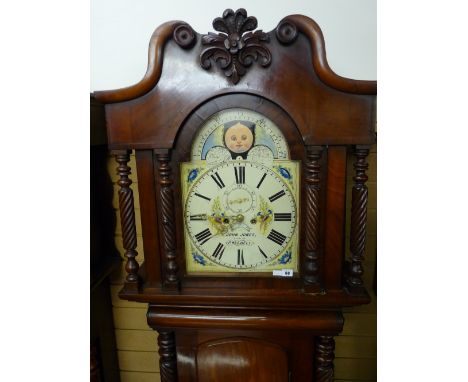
pixel 295 299
pixel 153 71
pixel 323 322
pixel 327 109
pixel 310 28
pixel 286 32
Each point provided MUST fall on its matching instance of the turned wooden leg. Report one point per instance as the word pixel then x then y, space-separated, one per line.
pixel 167 356
pixel 324 356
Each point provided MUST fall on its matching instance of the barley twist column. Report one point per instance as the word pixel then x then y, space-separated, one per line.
pixel 324 356
pixel 171 280
pixel 167 356
pixel 127 219
pixel 312 222
pixel 358 221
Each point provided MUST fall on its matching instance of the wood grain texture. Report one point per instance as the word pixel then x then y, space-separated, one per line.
pixel 335 217
pixel 323 113
pixel 241 359
pixel 297 345
pixel 313 322
pixel 149 217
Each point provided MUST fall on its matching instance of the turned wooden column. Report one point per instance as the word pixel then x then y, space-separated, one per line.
pixel 167 356
pixel 171 279
pixel 312 280
pixel 324 356
pixel 127 220
pixel 358 221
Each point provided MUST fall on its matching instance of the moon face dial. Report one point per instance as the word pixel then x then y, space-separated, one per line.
pixel 240 215
pixel 238 133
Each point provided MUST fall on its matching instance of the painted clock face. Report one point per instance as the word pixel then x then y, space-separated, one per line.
pixel 240 215
pixel 239 134
pixel 240 195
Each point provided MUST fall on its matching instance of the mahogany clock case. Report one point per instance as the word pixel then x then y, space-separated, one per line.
pixel 312 105
pixel 284 75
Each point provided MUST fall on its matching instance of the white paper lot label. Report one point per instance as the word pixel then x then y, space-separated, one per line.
pixel 283 272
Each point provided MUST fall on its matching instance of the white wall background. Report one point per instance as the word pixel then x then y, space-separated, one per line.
pixel 121 30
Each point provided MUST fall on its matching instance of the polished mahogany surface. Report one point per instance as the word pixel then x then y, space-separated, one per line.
pixel 241 359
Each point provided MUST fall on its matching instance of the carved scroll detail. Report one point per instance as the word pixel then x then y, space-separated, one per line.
pixel 312 224
pixel 167 356
pixel 184 36
pixel 358 220
pixel 324 356
pixel 171 280
pixel 235 50
pixel 127 219
pixel 286 32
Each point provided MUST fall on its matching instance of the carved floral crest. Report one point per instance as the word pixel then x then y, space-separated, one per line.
pixel 234 50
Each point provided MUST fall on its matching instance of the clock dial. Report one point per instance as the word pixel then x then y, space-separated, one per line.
pixel 239 134
pixel 240 215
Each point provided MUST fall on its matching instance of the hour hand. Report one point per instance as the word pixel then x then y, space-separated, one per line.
pixel 200 217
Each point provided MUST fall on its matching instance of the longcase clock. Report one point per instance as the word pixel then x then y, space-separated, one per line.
pixel 241 139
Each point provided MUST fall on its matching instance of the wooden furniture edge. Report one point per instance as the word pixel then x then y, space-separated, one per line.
pixel 323 321
pixel 312 31
pixel 153 71
pixel 297 300
pixel 291 24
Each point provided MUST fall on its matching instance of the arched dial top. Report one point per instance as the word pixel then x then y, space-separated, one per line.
pixel 240 216
pixel 239 133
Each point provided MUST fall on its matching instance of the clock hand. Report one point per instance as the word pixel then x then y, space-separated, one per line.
pixel 198 217
pixel 264 221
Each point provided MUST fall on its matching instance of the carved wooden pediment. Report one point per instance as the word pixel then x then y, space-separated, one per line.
pixel 236 47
